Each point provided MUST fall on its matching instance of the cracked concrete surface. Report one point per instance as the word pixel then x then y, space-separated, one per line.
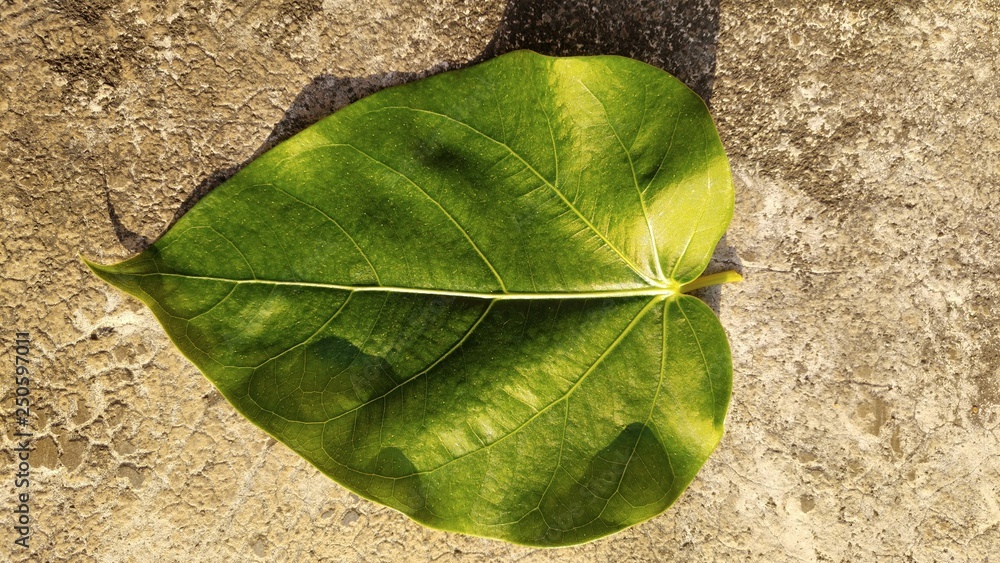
pixel 864 139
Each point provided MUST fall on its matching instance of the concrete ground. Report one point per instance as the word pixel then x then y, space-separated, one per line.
pixel 864 140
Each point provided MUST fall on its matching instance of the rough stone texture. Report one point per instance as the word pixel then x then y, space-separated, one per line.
pixel 864 139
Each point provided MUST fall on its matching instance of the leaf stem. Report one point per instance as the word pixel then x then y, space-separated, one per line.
pixel 712 279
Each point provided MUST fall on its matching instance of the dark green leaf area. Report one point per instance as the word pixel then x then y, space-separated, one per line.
pixel 460 297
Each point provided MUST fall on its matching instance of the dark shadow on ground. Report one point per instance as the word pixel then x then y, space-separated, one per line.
pixel 132 241
pixel 679 36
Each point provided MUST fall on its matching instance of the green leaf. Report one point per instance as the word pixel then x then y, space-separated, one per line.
pixel 461 298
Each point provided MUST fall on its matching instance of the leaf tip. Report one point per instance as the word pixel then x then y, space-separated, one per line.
pixel 100 270
pixel 109 273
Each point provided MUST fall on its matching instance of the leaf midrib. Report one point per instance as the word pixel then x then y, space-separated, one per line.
pixel 649 291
